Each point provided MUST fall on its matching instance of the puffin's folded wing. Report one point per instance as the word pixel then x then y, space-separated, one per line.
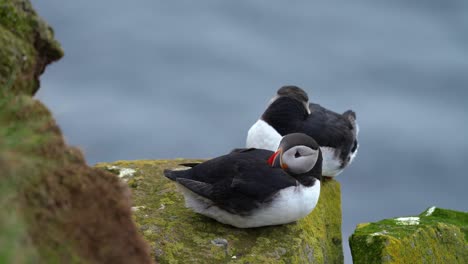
pixel 241 150
pixel 201 188
pixel 190 164
pixel 261 154
pixel 176 174
pixel 328 128
pixel 262 184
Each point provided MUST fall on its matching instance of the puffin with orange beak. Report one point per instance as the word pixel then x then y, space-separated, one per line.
pixel 255 187
pixel 289 111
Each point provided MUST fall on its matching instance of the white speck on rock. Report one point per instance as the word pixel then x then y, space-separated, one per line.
pixel 123 172
pixel 412 220
pixel 379 233
pixel 126 172
pixel 136 208
pixel 430 211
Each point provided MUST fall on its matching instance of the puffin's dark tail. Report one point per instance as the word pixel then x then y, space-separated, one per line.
pixel 351 115
pixel 174 174
pixel 191 165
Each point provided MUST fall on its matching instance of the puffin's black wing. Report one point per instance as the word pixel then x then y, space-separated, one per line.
pixel 242 150
pixel 331 129
pixel 200 188
pixel 254 152
pixel 259 180
pixel 237 182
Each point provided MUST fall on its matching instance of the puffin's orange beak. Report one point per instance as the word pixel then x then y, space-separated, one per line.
pixel 284 166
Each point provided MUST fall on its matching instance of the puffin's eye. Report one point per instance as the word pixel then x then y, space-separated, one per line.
pixel 297 155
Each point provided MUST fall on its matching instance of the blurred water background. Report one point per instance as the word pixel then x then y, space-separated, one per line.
pixel 167 79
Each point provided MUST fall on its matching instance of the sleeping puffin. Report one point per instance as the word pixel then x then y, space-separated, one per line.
pixel 289 112
pixel 254 187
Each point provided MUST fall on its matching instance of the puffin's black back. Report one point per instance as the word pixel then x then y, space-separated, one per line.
pixel 286 115
pixel 237 182
pixel 331 129
pixel 328 128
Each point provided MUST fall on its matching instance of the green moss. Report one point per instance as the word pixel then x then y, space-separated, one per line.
pixel 178 235
pixel 14 18
pixel 55 209
pixel 27 46
pixel 438 236
pixel 13 236
pixel 456 218
pixel 20 140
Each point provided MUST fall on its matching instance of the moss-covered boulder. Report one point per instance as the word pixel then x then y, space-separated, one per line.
pixel 27 46
pixel 178 235
pixel 435 236
pixel 56 209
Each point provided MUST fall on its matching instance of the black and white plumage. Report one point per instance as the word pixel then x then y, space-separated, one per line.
pixel 254 187
pixel 290 112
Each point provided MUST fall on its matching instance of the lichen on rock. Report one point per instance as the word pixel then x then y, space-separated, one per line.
pixel 435 236
pixel 178 235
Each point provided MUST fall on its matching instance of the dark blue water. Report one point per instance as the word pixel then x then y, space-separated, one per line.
pixel 160 79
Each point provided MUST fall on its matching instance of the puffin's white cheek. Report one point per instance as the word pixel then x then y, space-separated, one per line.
pixel 301 164
pixel 300 159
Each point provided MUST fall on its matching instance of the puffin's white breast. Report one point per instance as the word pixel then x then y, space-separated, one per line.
pixel 288 205
pixel 263 136
pixel 331 164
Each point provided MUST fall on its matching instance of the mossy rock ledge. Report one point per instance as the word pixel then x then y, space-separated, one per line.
pixel 178 235
pixel 435 236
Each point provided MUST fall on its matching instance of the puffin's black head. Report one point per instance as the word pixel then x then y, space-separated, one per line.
pixel 290 95
pixel 293 92
pixel 299 155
